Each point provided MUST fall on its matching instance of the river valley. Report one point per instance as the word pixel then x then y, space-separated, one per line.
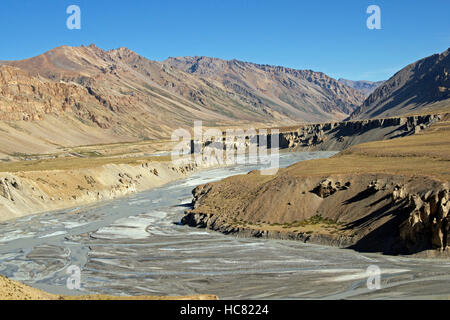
pixel 136 246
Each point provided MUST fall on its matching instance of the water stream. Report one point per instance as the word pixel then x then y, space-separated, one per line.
pixel 135 246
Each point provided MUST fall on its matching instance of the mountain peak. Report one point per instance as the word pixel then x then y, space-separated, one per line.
pixel 122 86
pixel 422 85
pixel 122 50
pixel 123 53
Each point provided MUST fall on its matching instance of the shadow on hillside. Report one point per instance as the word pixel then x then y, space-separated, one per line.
pixel 361 196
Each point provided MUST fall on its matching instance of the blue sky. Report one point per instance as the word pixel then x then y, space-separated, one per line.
pixel 327 36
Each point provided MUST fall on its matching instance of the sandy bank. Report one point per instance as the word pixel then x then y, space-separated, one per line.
pixel 25 193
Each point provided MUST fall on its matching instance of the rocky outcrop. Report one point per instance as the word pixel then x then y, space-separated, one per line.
pixel 199 192
pixel 26 98
pixel 428 221
pixel 370 212
pixel 6 186
pixel 328 187
pixel 341 135
pixel 211 222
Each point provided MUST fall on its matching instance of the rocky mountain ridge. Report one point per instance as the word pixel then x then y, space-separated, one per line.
pixel 118 95
pixel 420 87
pixel 305 90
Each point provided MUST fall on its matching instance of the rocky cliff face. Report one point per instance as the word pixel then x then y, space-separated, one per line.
pixel 400 215
pixel 333 136
pixel 27 98
pixel 341 135
pixel 428 222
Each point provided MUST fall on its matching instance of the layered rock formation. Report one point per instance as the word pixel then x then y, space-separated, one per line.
pixel 341 135
pixel 333 136
pixel 27 98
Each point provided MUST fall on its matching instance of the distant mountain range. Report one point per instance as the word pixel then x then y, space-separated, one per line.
pixel 366 87
pixel 86 95
pixel 89 95
pixel 120 83
pixel 303 95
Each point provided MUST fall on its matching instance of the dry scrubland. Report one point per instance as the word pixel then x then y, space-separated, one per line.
pixel 87 155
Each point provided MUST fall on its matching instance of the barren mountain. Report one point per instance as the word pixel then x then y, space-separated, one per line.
pixel 301 94
pixel 420 87
pixel 366 87
pixel 85 95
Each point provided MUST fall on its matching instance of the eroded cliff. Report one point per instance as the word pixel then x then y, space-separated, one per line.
pixel 331 136
pixel 24 193
pixel 370 212
pixel 388 196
